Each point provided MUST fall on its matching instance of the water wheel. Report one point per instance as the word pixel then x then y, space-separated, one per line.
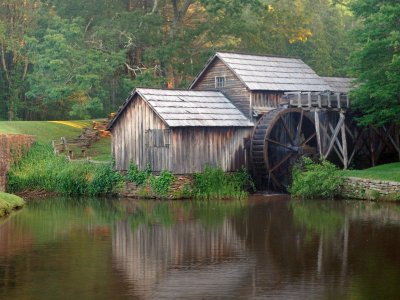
pixel 279 139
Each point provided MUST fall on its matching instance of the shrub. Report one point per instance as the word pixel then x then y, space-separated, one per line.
pixel 315 180
pixel 215 183
pixel 160 185
pixel 137 176
pixel 41 169
pixel 104 180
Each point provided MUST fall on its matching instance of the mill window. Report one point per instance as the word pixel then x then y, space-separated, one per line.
pixel 219 81
pixel 157 138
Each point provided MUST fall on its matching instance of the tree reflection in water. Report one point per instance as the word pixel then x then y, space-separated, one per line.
pixel 266 247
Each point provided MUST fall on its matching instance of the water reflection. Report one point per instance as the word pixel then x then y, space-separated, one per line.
pixel 267 247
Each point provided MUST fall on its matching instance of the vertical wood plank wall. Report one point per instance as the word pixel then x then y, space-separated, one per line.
pixel 234 89
pixel 190 148
pixel 193 148
pixel 266 99
pixel 129 139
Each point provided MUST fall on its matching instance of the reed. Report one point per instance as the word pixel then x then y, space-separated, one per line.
pixel 41 170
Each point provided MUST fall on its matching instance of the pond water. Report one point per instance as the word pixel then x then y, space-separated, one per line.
pixel 266 247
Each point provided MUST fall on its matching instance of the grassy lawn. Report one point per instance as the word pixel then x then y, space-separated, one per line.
pixel 46 131
pixel 390 172
pixel 9 202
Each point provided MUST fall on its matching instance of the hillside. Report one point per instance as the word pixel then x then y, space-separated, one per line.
pixel 46 131
pixel 390 172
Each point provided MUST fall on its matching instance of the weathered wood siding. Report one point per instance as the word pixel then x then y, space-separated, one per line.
pixel 193 148
pixel 141 137
pixel 266 99
pixel 234 88
pixel 132 141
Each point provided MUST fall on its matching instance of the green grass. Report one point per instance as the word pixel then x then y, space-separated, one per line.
pixel 41 170
pixel 9 202
pixel 389 172
pixel 46 131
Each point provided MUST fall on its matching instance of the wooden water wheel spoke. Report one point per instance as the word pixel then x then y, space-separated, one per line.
pixel 275 180
pixel 289 134
pixel 282 162
pixel 279 144
pixel 308 139
pixel 279 138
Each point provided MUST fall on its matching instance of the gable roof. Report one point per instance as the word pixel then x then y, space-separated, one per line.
pixel 340 84
pixel 259 72
pixel 180 108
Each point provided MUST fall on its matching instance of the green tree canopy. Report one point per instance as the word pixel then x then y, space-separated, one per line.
pixel 377 61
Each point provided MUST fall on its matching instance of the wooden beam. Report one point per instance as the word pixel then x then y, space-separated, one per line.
pixel 395 145
pixel 344 143
pixel 335 133
pixel 318 131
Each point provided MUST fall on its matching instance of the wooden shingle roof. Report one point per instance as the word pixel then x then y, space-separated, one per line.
pixel 340 84
pixel 185 108
pixel 271 73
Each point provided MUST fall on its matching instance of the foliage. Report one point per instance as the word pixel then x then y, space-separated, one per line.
pixel 40 169
pixel 9 202
pixel 79 59
pixel 105 180
pixel 215 183
pixel 137 176
pixel 315 180
pixel 161 185
pixel 377 61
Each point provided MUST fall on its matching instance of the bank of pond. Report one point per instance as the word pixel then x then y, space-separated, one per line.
pixel 40 170
pixel 9 203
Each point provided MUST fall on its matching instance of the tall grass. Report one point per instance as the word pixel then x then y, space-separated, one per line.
pixel 41 170
pixel 214 183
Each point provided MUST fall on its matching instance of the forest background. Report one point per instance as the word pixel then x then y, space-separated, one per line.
pixel 80 59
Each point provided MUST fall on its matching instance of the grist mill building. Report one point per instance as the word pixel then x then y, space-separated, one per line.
pixel 252 111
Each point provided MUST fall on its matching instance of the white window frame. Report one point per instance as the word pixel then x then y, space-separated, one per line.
pixel 219 80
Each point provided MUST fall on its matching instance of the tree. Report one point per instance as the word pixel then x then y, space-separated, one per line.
pixel 377 62
pixel 17 20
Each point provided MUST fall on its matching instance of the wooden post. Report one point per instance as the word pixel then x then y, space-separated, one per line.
pixel 299 99
pixel 329 100
pixel 344 142
pixel 318 132
pixel 397 136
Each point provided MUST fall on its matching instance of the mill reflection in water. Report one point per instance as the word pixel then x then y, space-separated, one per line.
pixel 261 248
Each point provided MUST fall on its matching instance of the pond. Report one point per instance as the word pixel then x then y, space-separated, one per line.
pixel 264 247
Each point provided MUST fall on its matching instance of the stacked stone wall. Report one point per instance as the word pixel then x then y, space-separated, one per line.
pixel 130 190
pixel 12 147
pixel 360 188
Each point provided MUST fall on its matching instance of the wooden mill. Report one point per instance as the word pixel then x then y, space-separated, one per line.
pixel 252 111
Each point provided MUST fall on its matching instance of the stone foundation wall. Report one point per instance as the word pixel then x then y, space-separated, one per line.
pixel 12 147
pixel 130 190
pixel 369 189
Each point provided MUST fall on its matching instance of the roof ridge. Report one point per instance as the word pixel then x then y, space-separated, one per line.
pixel 257 54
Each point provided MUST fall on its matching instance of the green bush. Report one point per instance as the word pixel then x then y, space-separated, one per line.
pixel 41 169
pixel 315 180
pixel 161 185
pixel 104 180
pixel 215 183
pixel 137 176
